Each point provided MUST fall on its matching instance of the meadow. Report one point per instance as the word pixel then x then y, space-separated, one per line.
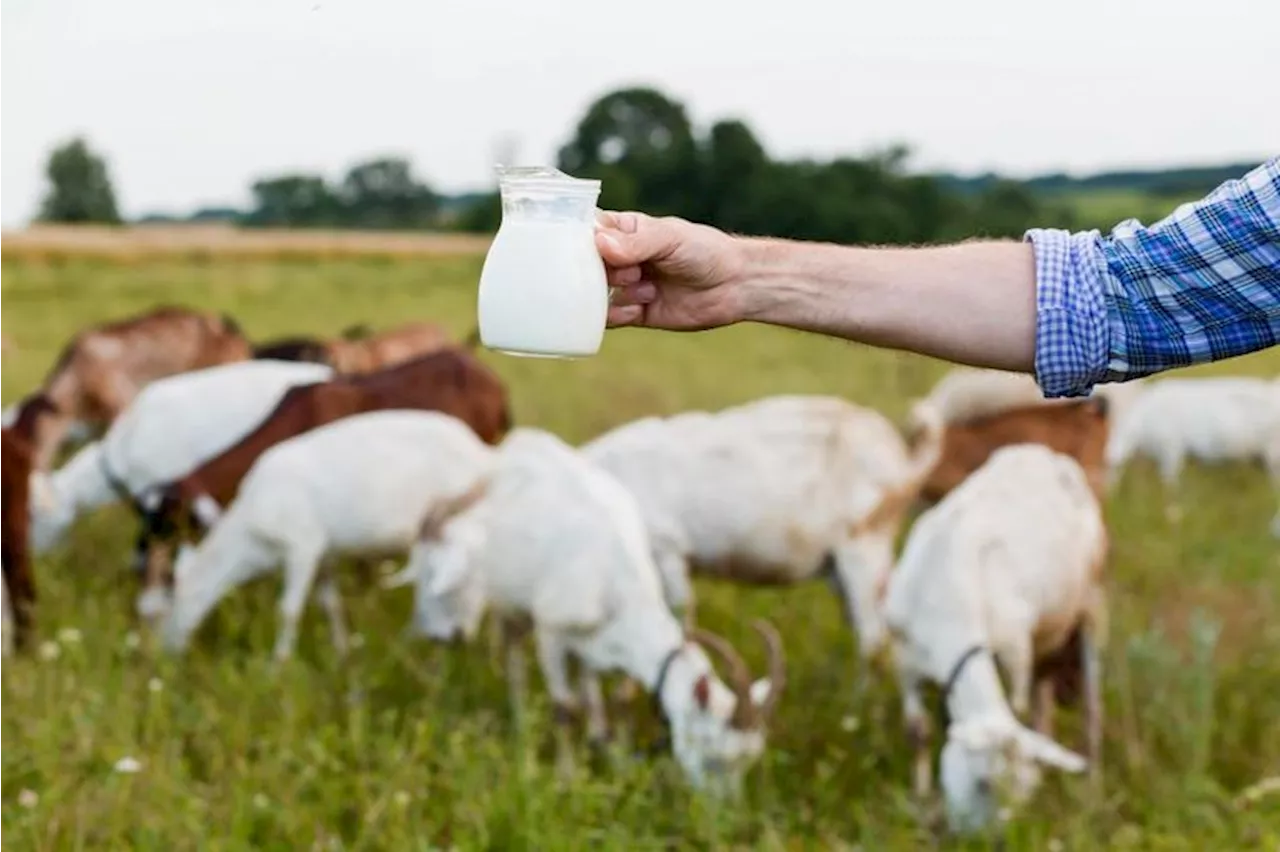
pixel 409 746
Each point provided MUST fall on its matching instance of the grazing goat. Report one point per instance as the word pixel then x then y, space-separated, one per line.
pixel 360 486
pixel 558 546
pixel 102 369
pixel 170 427
pixel 19 585
pixel 777 491
pixel 1078 428
pixel 1214 420
pixel 1009 566
pixel 450 381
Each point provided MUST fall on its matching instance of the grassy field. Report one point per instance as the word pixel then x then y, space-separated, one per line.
pixel 408 746
pixel 1104 209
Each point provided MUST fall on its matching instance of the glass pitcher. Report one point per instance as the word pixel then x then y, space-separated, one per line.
pixel 543 290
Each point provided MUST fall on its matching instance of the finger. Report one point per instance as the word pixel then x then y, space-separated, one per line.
pixel 625 315
pixel 640 294
pixel 650 240
pixel 625 221
pixel 625 276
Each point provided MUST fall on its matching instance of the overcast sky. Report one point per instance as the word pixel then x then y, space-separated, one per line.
pixel 190 101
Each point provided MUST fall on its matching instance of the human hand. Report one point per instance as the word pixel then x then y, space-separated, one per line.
pixel 668 273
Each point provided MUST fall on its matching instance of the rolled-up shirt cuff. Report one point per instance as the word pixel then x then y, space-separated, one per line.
pixel 1072 346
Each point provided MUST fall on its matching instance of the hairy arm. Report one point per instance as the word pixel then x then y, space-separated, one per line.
pixel 972 303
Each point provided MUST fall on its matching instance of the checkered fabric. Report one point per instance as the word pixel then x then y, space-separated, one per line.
pixel 1201 284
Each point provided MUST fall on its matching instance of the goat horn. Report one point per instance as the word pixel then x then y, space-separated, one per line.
pixel 739 676
pixel 777 665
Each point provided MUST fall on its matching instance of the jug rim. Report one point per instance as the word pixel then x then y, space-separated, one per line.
pixel 543 177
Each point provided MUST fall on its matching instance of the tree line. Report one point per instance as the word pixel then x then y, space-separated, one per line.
pixel 641 144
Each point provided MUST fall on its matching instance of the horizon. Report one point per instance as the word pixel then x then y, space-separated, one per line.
pixel 190 104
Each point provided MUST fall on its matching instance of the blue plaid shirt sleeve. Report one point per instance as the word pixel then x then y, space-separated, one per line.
pixel 1200 285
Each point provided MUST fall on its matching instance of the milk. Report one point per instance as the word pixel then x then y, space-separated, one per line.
pixel 543 290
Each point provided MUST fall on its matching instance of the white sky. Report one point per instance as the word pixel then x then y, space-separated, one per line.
pixel 190 101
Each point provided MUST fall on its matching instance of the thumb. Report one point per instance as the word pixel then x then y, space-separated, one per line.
pixel 629 239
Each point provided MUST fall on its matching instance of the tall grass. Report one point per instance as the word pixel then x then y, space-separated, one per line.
pixel 409 746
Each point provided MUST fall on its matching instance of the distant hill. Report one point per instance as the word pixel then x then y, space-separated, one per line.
pixel 1179 182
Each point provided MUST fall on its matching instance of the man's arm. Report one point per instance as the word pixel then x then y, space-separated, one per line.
pixel 972 303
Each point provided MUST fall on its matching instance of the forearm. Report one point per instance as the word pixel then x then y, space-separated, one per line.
pixel 972 303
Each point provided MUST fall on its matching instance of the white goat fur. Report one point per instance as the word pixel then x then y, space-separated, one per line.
pixel 1010 561
pixel 173 425
pixel 774 491
pixel 967 393
pixel 359 486
pixel 558 543
pixel 1213 420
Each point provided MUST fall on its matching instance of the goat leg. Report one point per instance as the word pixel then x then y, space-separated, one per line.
pixel 1091 662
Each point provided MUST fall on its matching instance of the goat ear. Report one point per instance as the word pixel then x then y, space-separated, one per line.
pixel 974 734
pixel 1044 750
pixel 702 692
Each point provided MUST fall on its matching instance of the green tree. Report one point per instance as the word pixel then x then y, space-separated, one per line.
pixel 383 193
pixel 79 186
pixel 294 201
pixel 640 144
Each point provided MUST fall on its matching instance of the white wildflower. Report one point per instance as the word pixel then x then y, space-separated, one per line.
pixel 28 798
pixel 401 798
pixel 849 724
pixel 127 765
pixel 132 640
pixel 1055 845
pixel 357 640
pixel 155 684
pixel 260 801
pixel 69 636
pixel 49 650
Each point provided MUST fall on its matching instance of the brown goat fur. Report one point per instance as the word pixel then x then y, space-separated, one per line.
pixel 101 369
pixel 1078 429
pixel 359 350
pixel 15 480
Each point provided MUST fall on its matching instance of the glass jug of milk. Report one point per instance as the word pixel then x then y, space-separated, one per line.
pixel 543 291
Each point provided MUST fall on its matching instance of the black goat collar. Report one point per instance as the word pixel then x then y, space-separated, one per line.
pixel 958 669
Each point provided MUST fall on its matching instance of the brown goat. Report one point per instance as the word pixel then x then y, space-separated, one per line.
pixel 359 351
pixel 1078 429
pixel 450 380
pixel 102 369
pixel 15 520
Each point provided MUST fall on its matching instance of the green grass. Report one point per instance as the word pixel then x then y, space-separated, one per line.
pixel 1106 208
pixel 408 746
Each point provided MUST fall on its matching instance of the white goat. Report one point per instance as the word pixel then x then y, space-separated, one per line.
pixel 172 425
pixel 558 545
pixel 1008 566
pixel 777 491
pixel 1214 420
pixel 359 486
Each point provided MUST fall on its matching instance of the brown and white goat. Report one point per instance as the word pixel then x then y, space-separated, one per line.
pixel 101 369
pixel 1077 428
